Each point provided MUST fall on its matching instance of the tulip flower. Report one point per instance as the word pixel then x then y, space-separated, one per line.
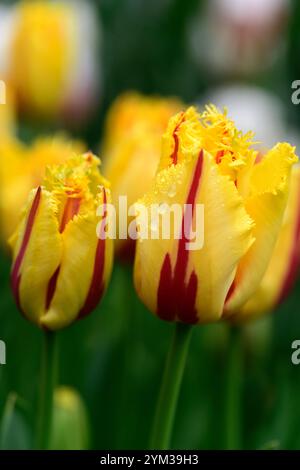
pixel 207 161
pixel 23 168
pixel 60 268
pixel 132 145
pixel 51 58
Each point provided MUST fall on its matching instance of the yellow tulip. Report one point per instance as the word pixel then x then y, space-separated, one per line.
pixel 60 267
pixel 132 146
pixel 22 168
pixel 51 58
pixel 206 160
pixel 285 261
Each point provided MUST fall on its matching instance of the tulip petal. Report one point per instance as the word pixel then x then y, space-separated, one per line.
pixel 75 273
pixel 270 184
pixel 285 261
pixel 83 273
pixel 37 253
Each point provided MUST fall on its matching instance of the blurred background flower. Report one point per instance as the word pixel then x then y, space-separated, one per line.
pixel 131 149
pixel 49 52
pixel 245 36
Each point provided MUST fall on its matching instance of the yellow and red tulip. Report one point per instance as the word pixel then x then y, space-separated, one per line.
pixel 284 264
pixel 60 267
pixel 206 160
pixel 23 168
pixel 50 58
pixel 132 146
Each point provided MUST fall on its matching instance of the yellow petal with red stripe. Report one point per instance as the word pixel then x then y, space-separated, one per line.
pixel 73 281
pixel 37 248
pixel 266 203
pixel 285 261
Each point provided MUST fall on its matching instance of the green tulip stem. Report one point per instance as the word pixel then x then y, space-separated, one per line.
pixel 170 387
pixel 233 405
pixel 47 386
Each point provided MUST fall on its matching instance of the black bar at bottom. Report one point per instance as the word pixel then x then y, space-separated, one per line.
pixel 136 459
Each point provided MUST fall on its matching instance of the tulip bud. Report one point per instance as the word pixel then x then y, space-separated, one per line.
pixel 284 264
pixel 70 429
pixel 51 58
pixel 207 161
pixel 132 146
pixel 23 168
pixel 60 267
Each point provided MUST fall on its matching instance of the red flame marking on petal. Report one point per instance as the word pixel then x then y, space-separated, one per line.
pixel 71 209
pixel 15 275
pixel 97 284
pixel 174 156
pixel 174 296
pixel 51 288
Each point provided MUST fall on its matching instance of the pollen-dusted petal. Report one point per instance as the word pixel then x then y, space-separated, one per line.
pixel 285 262
pixel 269 189
pixel 41 256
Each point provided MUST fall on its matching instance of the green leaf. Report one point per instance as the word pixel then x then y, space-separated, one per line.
pixel 14 431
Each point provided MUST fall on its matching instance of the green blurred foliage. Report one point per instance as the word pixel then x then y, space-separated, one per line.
pixel 115 357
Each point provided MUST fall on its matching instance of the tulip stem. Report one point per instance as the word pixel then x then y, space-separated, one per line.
pixel 47 385
pixel 170 387
pixel 234 370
